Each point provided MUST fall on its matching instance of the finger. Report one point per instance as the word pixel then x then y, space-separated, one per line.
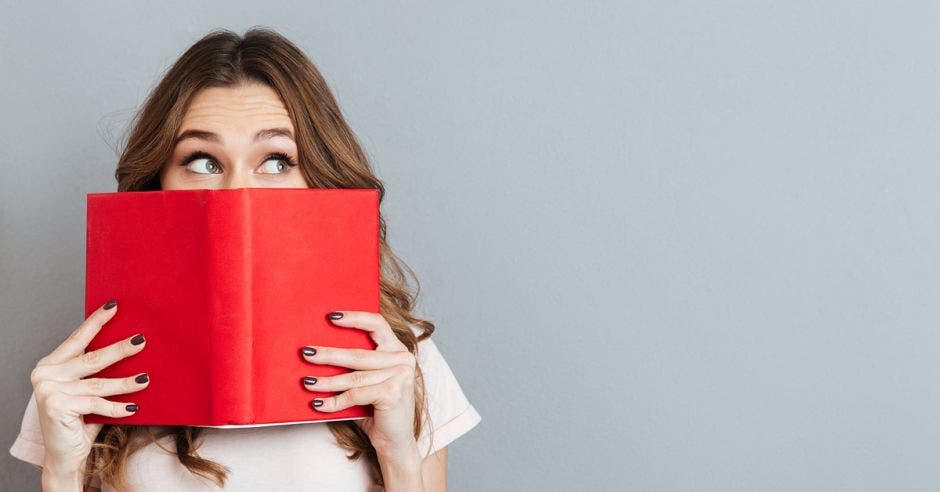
pixel 343 382
pixel 85 405
pixel 80 337
pixel 93 386
pixel 106 386
pixel 355 358
pixel 374 323
pixel 91 362
pixel 364 395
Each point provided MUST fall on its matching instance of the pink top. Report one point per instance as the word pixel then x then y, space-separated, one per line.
pixel 283 457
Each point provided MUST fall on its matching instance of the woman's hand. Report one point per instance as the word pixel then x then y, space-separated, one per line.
pixel 63 397
pixel 383 377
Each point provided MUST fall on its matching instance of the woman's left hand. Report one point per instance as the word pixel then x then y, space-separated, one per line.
pixel 383 377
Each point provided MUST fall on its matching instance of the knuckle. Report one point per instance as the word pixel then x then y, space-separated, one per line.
pixel 91 359
pixel 95 385
pixel 86 328
pixel 333 403
pixel 125 349
pixel 43 389
pixel 101 406
pixel 36 376
pixel 109 408
pixel 358 355
pixel 356 378
pixel 404 372
pixel 54 403
pixel 391 386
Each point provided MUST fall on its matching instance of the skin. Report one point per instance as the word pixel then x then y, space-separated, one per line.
pixel 383 377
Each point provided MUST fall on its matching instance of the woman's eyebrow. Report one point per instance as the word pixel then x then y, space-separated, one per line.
pixel 213 137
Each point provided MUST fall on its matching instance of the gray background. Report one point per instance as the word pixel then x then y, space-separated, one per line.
pixel 668 245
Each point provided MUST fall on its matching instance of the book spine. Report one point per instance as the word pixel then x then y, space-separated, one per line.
pixel 228 234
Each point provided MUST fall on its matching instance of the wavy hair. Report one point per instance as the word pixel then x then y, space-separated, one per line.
pixel 329 156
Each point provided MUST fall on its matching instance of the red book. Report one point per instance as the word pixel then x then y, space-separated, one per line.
pixel 227 286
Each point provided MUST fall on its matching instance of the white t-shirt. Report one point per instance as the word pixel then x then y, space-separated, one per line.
pixel 282 457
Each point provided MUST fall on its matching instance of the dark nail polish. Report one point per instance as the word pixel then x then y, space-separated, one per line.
pixel 137 340
pixel 335 315
pixel 131 408
pixel 110 304
pixel 142 378
pixel 318 402
pixel 308 351
pixel 310 380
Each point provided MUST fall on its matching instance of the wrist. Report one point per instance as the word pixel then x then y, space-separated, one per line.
pixel 400 454
pixel 56 482
pixel 58 478
pixel 401 468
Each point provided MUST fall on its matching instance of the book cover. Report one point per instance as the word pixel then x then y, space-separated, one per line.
pixel 227 285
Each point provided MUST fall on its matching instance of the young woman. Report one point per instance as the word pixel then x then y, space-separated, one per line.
pixel 234 112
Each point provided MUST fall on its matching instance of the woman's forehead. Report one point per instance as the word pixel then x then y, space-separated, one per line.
pixel 241 108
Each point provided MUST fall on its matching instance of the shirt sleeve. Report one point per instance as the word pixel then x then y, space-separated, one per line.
pixel 28 444
pixel 451 414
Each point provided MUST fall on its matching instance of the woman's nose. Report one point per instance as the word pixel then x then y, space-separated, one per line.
pixel 236 179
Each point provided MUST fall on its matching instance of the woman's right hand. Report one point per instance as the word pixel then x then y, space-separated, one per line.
pixel 63 396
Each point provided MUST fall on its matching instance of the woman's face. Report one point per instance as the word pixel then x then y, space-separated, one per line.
pixel 234 137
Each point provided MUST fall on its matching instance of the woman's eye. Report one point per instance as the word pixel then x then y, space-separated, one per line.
pixel 276 165
pixel 204 162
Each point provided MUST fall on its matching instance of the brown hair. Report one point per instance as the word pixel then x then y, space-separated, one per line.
pixel 329 156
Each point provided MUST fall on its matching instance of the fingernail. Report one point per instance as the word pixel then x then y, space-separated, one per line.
pixel 317 403
pixel 142 378
pixel 131 408
pixel 335 315
pixel 310 380
pixel 308 351
pixel 110 304
pixel 137 340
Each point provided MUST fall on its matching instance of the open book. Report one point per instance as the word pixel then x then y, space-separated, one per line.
pixel 227 286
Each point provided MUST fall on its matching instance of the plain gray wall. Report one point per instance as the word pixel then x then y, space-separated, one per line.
pixel 668 245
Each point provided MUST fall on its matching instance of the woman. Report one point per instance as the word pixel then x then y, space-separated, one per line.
pixel 234 112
